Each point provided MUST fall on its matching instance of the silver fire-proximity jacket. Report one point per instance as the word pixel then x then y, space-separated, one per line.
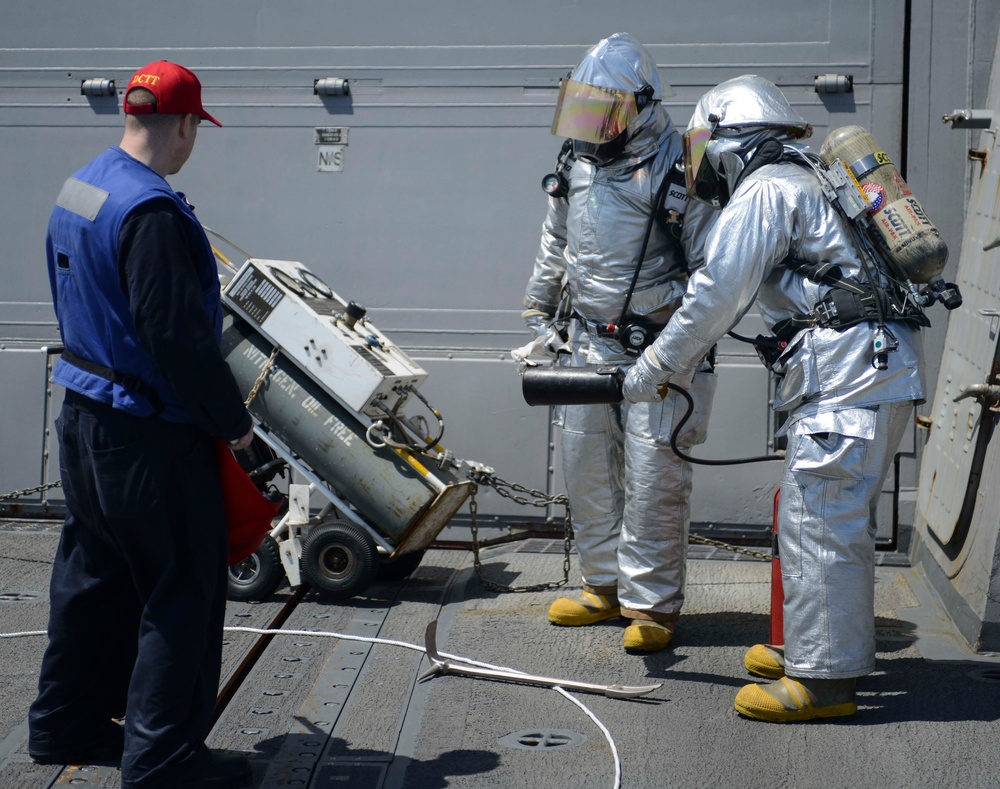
pixel 778 212
pixel 594 234
pixel 628 491
pixel 845 417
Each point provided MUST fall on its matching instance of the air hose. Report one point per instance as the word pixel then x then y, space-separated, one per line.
pixel 707 461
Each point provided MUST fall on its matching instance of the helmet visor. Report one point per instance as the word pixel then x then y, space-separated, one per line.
pixel 590 113
pixel 695 142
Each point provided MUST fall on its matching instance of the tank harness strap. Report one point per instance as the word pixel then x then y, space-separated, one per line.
pixel 848 303
pixel 670 212
pixel 129 382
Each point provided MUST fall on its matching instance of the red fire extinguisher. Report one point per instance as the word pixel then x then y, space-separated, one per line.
pixel 777 591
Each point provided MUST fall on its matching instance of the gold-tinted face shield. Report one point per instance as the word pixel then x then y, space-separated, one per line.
pixel 592 114
pixel 695 143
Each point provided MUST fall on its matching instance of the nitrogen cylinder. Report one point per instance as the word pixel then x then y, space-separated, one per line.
pixel 897 222
pixel 395 497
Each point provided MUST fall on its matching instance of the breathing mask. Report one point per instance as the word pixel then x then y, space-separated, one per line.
pixel 729 122
pixel 715 160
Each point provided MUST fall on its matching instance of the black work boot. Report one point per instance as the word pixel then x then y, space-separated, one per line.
pixel 208 769
pixel 103 745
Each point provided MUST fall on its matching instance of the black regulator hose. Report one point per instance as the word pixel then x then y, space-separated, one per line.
pixel 706 461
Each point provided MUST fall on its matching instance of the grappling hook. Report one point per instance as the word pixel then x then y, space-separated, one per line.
pixel 440 665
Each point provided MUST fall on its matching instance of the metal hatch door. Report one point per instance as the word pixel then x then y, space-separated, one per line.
pixel 960 431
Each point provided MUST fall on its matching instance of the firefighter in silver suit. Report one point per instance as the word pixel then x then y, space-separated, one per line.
pixel 628 491
pixel 845 415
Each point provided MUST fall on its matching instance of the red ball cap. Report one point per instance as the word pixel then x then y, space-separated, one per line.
pixel 176 89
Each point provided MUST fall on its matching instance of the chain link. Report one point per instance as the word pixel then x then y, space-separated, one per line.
pixel 16 494
pixel 265 371
pixel 727 547
pixel 538 499
pixel 510 490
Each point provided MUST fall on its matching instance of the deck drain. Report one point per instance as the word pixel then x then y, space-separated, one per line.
pixel 542 739
pixel 18 597
pixel 541 545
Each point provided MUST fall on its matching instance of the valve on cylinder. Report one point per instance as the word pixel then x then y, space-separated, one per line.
pixel 352 314
pixel 896 222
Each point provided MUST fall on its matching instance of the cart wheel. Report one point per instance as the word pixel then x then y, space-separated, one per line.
pixel 258 575
pixel 338 559
pixel 401 567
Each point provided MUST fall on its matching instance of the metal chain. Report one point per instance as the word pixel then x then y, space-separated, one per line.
pixel 26 491
pixel 253 393
pixel 538 499
pixel 727 547
pixel 263 376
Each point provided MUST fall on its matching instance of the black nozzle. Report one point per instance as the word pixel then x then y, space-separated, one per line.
pixel 572 385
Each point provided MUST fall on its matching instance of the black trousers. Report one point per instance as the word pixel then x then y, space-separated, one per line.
pixel 138 590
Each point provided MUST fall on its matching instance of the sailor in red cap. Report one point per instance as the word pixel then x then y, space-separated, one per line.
pixel 176 91
pixel 139 580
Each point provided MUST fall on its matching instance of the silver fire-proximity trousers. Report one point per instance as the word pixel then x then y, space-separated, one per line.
pixel 845 418
pixel 628 491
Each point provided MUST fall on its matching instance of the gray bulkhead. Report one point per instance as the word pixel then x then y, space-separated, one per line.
pixel 957 496
pixel 417 194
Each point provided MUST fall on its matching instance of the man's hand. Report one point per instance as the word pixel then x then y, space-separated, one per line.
pixel 530 355
pixel 647 379
pixel 242 443
pixel 545 345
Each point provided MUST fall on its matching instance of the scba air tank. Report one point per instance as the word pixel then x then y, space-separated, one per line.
pixel 897 221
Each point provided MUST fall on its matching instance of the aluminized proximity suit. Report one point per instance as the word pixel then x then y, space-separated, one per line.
pixel 845 418
pixel 628 491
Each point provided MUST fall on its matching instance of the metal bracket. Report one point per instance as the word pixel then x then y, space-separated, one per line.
pixel 969 119
pixel 987 394
pixel 440 665
pixel 978 155
pixel 320 486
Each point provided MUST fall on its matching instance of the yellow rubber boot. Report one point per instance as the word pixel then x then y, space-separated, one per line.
pixel 584 609
pixel 792 700
pixel 765 660
pixel 645 636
